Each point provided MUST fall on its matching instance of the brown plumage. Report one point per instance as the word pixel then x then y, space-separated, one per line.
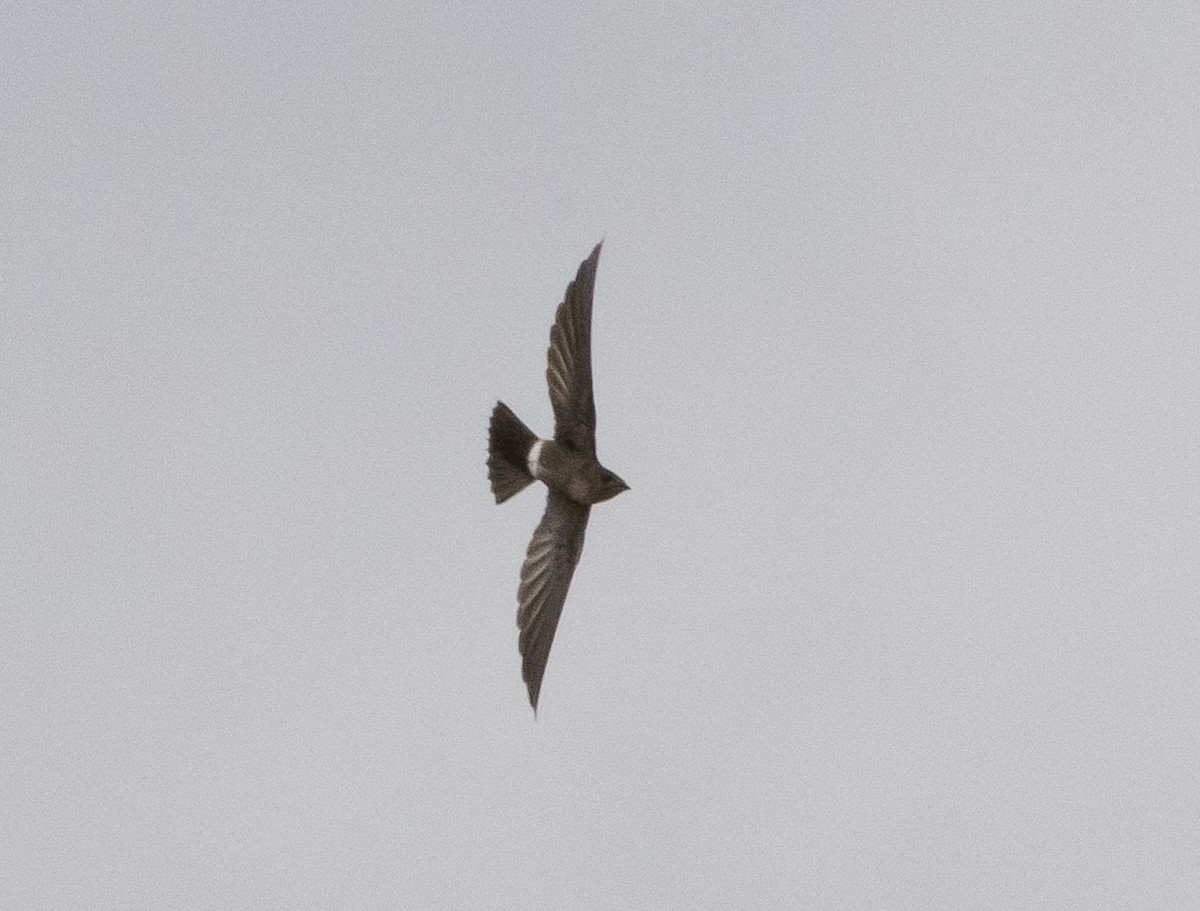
pixel 567 465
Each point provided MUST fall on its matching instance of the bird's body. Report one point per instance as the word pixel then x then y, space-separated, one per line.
pixel 567 465
pixel 576 474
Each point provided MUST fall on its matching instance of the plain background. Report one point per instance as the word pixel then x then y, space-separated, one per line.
pixel 896 340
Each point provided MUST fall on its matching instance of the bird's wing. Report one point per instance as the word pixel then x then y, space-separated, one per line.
pixel 569 362
pixel 545 578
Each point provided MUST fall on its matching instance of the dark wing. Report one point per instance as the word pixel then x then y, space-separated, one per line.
pixel 545 578
pixel 569 362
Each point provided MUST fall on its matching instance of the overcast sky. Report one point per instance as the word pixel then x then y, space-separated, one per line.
pixel 896 341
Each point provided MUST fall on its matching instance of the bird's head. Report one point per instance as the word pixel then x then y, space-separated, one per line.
pixel 610 485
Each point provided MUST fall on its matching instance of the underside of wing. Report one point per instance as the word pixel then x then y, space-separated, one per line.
pixel 569 361
pixel 545 579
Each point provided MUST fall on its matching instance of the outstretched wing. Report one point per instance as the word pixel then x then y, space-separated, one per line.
pixel 569 362
pixel 545 578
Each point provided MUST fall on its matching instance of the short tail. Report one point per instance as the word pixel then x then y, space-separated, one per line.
pixel 509 442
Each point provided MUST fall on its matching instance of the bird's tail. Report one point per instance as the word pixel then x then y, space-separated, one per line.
pixel 509 442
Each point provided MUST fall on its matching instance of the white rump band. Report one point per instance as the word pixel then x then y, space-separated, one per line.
pixel 531 460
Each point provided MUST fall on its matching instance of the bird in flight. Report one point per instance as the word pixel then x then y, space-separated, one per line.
pixel 567 465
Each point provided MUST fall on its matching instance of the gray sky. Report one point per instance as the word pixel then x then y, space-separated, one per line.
pixel 895 339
